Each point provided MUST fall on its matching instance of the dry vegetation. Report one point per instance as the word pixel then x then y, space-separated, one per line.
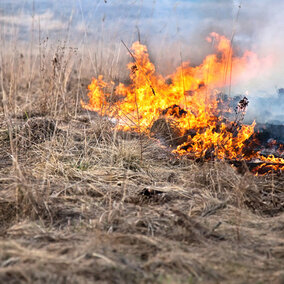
pixel 81 202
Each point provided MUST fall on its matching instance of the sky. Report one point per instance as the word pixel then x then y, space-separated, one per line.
pixel 168 27
pixel 176 20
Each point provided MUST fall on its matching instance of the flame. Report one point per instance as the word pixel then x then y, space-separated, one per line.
pixel 270 164
pixel 188 97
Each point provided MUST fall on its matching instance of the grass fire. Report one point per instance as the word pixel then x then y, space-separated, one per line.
pixel 141 142
pixel 190 99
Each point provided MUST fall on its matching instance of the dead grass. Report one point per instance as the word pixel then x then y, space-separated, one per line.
pixel 78 204
pixel 86 208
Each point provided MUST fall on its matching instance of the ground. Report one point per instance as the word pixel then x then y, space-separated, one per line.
pixel 81 202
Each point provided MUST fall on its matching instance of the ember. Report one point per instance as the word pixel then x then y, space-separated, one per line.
pixel 189 98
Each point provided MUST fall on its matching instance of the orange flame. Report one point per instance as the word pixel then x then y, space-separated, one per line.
pixel 193 89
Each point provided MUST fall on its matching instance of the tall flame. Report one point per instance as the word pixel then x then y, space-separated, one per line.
pixel 190 89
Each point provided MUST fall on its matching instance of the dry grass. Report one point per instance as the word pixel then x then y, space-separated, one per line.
pixel 78 204
pixel 81 206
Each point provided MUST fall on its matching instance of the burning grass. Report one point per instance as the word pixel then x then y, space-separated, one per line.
pixel 186 106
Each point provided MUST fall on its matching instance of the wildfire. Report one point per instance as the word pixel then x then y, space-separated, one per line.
pixel 189 98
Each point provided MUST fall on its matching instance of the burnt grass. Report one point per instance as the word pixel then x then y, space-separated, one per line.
pixel 81 202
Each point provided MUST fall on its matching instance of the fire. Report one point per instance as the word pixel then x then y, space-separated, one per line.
pixel 188 97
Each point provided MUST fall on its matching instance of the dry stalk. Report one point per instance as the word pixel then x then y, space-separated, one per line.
pixel 139 128
pixel 14 156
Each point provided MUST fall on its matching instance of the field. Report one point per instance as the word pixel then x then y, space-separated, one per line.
pixel 82 202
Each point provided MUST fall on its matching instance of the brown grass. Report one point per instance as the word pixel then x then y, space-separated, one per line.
pixel 75 210
pixel 78 204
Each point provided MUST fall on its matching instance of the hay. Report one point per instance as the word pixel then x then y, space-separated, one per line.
pixel 167 131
